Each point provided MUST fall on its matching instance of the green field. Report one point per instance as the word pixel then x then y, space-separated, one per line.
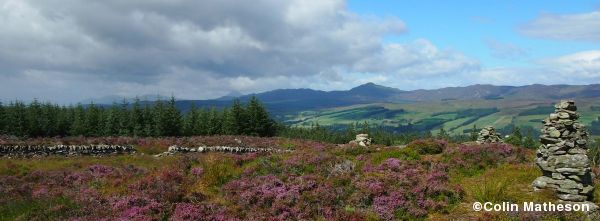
pixel 457 117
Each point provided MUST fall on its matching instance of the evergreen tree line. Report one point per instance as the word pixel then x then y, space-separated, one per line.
pixel 380 135
pixel 143 119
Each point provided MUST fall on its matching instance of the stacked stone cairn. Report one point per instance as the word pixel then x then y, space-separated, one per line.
pixel 362 140
pixel 562 157
pixel 488 135
pixel 46 150
pixel 202 149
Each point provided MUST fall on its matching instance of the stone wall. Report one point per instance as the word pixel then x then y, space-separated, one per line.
pixel 45 150
pixel 177 149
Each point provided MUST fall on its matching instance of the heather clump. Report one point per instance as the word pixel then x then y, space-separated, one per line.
pixel 135 207
pixel 165 186
pixel 397 189
pixel 204 211
pixel 303 197
pixel 428 146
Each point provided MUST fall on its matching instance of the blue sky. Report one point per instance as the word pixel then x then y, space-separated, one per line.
pixel 467 25
pixel 70 50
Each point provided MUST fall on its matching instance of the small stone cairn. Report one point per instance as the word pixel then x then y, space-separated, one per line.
pixel 362 140
pixel 562 157
pixel 488 135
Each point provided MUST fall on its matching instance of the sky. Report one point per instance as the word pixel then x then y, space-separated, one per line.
pixel 67 51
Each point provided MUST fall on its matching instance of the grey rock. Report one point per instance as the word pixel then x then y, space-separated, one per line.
pixel 489 135
pixel 362 140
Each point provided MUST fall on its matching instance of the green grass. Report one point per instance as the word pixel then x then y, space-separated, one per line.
pixel 39 209
pixel 23 165
pixel 404 154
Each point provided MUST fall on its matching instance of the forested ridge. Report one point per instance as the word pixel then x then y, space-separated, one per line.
pixel 144 119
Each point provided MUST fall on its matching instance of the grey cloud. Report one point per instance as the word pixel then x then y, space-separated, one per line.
pixel 146 46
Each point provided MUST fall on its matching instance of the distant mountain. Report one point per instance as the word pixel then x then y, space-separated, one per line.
pixel 283 101
pixel 231 95
pixel 457 109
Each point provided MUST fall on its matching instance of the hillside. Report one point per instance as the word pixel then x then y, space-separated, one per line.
pixel 457 109
pixel 309 181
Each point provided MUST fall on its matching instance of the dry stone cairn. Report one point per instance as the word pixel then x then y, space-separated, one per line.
pixel 45 150
pixel 488 135
pixel 562 156
pixel 362 140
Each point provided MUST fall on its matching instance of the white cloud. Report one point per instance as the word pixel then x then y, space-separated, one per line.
pixel 581 65
pixel 579 27
pixel 418 59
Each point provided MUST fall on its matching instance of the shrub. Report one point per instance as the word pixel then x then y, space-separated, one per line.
pixel 398 189
pixel 218 170
pixel 429 146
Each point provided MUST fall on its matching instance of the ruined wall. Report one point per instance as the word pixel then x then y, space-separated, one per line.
pixel 46 150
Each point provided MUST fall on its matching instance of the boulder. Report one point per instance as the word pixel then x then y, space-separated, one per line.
pixel 362 140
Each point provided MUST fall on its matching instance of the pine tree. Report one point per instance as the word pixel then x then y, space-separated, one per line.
pixel 515 138
pixel 148 120
pixel 20 126
pixel 137 119
pixel 442 134
pixel 65 120
pixel 365 128
pixel 49 121
pixel 238 113
pixel 78 126
pixel 474 133
pixel 34 119
pixel 213 122
pixel 93 121
pixel 427 134
pixel 350 132
pixel 158 114
pixel 111 123
pixel 172 119
pixel 190 122
pixel 529 142
pixel 229 124
pixel 125 126
pixel 259 123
